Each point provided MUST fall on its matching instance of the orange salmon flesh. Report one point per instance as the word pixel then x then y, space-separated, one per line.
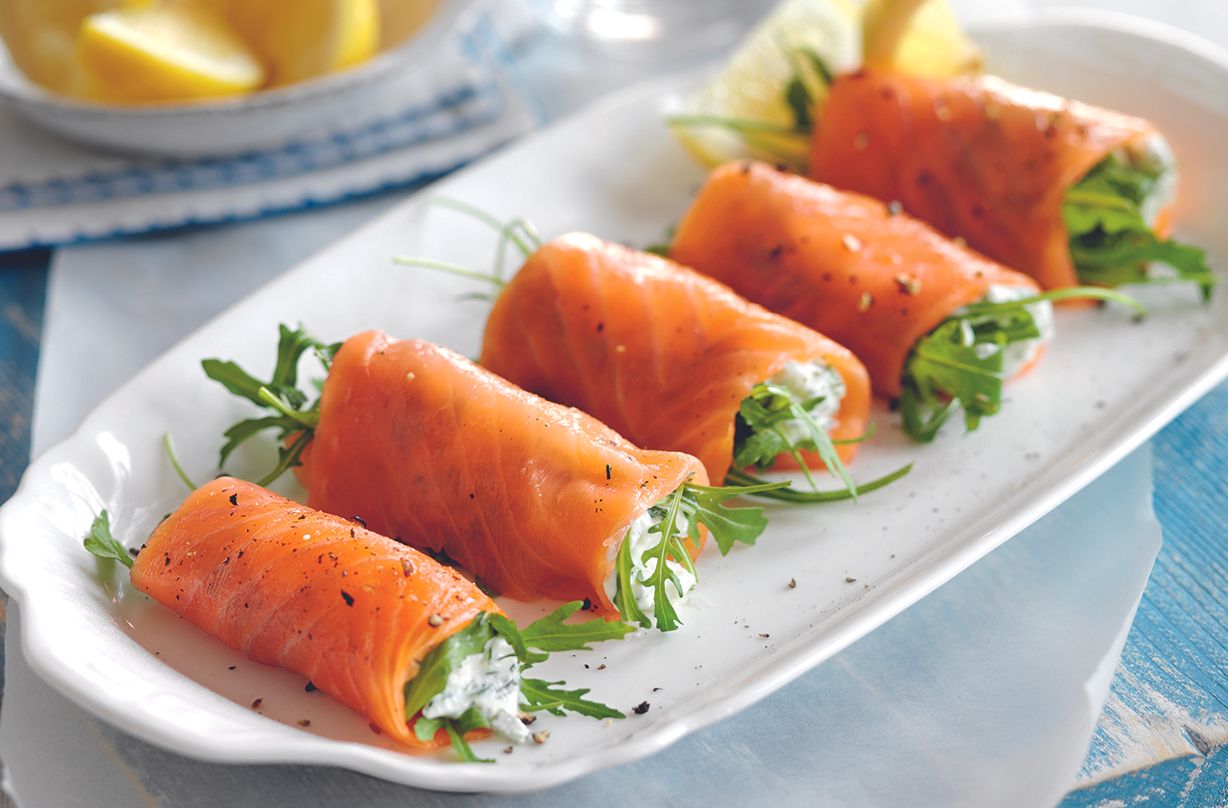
pixel 661 353
pixel 352 611
pixel 974 156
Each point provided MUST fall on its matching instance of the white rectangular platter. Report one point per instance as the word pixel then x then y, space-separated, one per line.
pixel 1105 386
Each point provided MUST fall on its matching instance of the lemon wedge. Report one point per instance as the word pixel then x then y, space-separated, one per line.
pixel 162 53
pixel 301 39
pixel 917 37
pixel 745 109
pixel 41 36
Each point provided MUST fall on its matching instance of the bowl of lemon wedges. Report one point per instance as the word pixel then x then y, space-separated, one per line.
pixel 179 78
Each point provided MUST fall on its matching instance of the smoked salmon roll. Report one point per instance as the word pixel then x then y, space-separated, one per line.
pixel 937 325
pixel 538 500
pixel 1065 192
pixel 672 359
pixel 386 630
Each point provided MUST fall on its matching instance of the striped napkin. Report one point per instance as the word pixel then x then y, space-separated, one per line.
pixel 54 193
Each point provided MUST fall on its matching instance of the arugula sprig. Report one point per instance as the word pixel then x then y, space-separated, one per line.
pixel 808 87
pixel 959 365
pixel 292 417
pixel 672 545
pixel 736 477
pixel 704 505
pixel 532 644
pixel 1110 241
pixel 519 233
pixel 101 543
pixel 760 434
pixel 692 505
pixel 624 594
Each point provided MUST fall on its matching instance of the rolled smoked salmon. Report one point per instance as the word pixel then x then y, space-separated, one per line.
pixel 352 611
pixel 662 354
pixel 974 156
pixel 845 264
pixel 407 642
pixel 531 496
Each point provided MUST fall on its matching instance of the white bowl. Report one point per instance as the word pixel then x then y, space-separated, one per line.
pixel 334 103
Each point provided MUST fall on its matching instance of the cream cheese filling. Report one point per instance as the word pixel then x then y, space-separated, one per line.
pixel 490 681
pixel 641 541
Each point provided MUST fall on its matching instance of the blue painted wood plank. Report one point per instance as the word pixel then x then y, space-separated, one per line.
pixel 23 295
pixel 23 291
pixel 1169 700
pixel 1190 782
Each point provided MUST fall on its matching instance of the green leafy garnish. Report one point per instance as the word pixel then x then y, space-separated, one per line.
pixel 946 372
pixel 807 89
pixel 672 546
pixel 552 633
pixel 735 477
pixel 704 504
pixel 760 434
pixel 425 729
pixel 168 446
pixel 457 736
pixel 101 543
pixel 433 673
pixel 1111 243
pixel 280 394
pixel 624 595
pixel 698 505
pixel 960 363
pixel 532 644
pixel 519 233
pixel 540 695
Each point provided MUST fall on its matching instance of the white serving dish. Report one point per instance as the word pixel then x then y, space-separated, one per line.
pixel 335 103
pixel 1103 388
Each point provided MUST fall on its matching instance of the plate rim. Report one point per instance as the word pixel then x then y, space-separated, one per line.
pixel 790 661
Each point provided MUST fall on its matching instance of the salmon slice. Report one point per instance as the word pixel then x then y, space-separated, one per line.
pixel 975 156
pixel 352 611
pixel 662 354
pixel 531 496
pixel 844 264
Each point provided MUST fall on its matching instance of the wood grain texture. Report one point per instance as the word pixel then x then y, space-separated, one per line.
pixel 23 287
pixel 1163 732
pixel 1195 781
pixel 23 295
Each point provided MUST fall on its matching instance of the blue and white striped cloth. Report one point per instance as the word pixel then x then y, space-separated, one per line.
pixel 53 193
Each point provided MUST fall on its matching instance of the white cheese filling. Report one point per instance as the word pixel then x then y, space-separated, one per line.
pixel 489 681
pixel 808 381
pixel 1016 355
pixel 1153 155
pixel 641 541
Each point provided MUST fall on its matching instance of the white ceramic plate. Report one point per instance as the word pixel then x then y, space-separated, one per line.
pixel 1103 388
pixel 326 105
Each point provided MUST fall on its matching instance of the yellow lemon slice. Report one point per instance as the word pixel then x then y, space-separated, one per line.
pixel 41 36
pixel 301 39
pixel 918 37
pixel 163 53
pixel 745 110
